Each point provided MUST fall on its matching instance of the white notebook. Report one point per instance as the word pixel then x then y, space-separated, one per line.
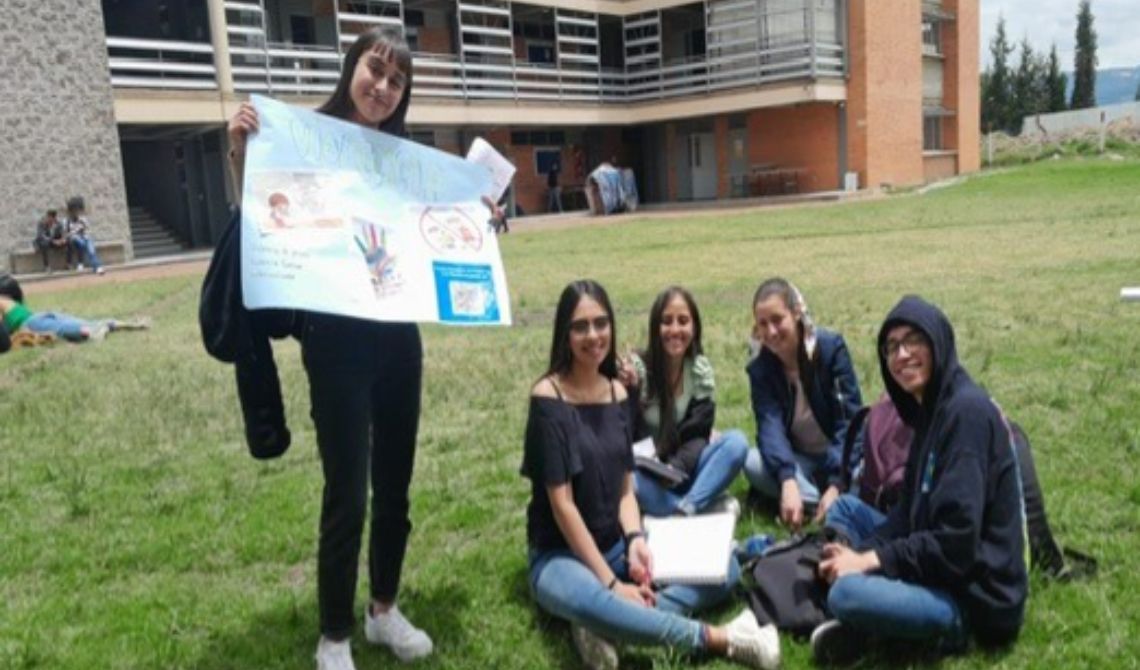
pixel 690 549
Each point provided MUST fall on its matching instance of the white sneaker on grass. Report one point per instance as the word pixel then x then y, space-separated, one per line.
pixel 753 645
pixel 394 631
pixel 334 655
pixel 596 652
pixel 723 503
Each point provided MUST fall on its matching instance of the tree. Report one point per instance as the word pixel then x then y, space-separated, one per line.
pixel 1055 83
pixel 997 87
pixel 1137 98
pixel 1028 87
pixel 1085 62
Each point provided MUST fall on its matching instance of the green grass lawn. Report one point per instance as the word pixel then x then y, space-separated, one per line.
pixel 138 533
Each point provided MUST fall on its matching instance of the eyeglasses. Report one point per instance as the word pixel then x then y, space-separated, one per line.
pixel 912 341
pixel 582 326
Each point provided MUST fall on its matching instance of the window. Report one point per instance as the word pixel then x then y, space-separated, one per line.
pixel 545 157
pixel 931 38
pixel 540 53
pixel 424 137
pixel 932 133
pixel 302 29
pixel 538 137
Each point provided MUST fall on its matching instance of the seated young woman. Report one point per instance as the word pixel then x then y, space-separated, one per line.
pixel 589 560
pixel 804 393
pixel 673 384
pixel 949 560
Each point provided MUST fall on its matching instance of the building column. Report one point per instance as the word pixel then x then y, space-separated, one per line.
pixel 220 40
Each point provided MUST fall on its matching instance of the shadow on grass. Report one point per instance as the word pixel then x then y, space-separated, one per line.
pixel 286 637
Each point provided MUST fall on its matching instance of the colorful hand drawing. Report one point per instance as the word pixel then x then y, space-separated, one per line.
pixel 374 248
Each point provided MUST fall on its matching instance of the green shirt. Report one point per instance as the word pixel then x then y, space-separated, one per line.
pixel 16 317
pixel 697 381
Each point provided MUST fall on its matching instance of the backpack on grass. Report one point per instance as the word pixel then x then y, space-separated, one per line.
pixel 886 442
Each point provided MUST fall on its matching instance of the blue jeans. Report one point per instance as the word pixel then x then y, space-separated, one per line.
pixel 806 467
pixel 883 606
pixel 86 248
pixel 716 468
pixel 563 586
pixel 61 325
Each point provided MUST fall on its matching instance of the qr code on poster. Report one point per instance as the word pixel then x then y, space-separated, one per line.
pixel 468 298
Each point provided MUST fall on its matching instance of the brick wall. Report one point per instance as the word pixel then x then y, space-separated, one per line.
pixel 56 110
pixel 960 84
pixel 803 136
pixel 884 92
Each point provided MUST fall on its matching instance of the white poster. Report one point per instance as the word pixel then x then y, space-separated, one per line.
pixel 342 219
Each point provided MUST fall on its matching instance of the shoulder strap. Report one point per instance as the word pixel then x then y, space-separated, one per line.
pixel 613 392
pixel 854 427
pixel 557 390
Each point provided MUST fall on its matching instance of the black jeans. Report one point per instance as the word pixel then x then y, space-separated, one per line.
pixel 364 381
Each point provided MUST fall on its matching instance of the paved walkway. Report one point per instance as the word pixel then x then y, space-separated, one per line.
pixel 196 262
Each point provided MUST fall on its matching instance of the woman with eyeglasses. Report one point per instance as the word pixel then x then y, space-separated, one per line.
pixel 804 393
pixel 673 383
pixel 588 557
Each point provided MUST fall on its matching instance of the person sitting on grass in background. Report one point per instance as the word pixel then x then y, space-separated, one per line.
pixel 17 316
pixel 673 384
pixel 50 235
pixel 949 560
pixel 78 229
pixel 588 557
pixel 804 393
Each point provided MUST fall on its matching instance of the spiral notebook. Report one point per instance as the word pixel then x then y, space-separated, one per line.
pixel 691 549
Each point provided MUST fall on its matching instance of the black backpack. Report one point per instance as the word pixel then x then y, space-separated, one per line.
pixel 785 588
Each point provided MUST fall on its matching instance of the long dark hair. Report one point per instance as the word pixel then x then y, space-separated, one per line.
pixel 656 364
pixel 561 358
pixel 10 288
pixel 340 104
pixel 781 287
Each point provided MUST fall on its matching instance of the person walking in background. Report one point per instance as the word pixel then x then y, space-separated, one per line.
pixel 78 229
pixel 50 234
pixel 365 387
pixel 553 188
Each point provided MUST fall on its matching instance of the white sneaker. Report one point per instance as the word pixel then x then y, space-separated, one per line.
pixel 725 502
pixel 99 270
pixel 394 631
pixel 596 652
pixel 79 267
pixel 752 645
pixel 334 655
pixel 99 332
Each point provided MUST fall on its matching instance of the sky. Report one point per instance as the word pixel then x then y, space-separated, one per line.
pixel 1116 22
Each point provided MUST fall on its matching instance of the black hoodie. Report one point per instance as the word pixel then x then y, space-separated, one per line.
pixel 959 524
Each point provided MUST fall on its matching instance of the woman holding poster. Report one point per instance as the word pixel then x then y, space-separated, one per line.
pixel 364 379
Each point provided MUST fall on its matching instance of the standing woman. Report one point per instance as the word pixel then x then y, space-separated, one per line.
pixel 364 380
pixel 589 561
pixel 804 393
pixel 674 384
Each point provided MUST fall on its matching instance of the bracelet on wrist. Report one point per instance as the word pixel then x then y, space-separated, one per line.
pixel 633 535
pixel 613 582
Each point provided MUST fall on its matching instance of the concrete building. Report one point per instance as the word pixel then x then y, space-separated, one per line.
pixel 709 99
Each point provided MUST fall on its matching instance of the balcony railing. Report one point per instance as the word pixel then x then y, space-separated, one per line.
pixel 139 63
pixel 313 70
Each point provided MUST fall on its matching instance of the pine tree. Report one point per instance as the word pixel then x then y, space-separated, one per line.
pixel 997 84
pixel 1085 61
pixel 1055 83
pixel 1027 87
